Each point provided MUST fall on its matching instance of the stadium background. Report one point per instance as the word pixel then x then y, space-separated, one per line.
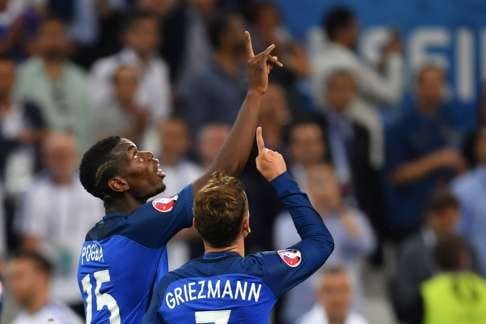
pixel 193 116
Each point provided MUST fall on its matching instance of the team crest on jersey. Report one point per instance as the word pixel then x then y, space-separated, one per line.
pixel 164 205
pixel 291 257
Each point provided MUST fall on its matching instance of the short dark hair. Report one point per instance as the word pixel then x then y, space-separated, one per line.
pixel 217 26
pixel 219 208
pixel 39 261
pixel 303 121
pixel 133 18
pixel 440 200
pixel 449 253
pixel 336 19
pixel 98 165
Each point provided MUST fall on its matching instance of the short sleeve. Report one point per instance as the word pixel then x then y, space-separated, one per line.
pixel 154 223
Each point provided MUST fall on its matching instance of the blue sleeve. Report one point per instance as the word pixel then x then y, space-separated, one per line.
pixel 154 223
pixel 284 269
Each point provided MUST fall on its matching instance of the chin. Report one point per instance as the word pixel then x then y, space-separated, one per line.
pixel 159 190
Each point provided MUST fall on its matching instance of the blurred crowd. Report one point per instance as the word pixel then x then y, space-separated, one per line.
pixel 170 75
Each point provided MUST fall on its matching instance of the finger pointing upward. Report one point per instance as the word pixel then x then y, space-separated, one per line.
pixel 259 140
pixel 249 48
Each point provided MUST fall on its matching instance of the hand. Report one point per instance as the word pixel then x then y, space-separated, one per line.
pixel 449 158
pixel 269 163
pixel 298 61
pixel 259 66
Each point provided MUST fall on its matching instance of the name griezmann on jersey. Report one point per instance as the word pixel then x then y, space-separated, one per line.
pixel 213 289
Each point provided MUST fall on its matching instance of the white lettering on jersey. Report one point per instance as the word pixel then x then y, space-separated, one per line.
pixel 92 252
pixel 217 289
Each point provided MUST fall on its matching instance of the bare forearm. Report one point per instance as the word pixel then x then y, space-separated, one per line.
pixel 414 170
pixel 234 154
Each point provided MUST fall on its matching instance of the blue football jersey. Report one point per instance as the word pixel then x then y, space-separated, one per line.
pixel 224 287
pixel 124 256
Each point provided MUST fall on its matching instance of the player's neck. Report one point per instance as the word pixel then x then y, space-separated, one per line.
pixel 123 205
pixel 237 247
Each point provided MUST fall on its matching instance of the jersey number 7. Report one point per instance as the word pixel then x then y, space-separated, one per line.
pixel 213 317
pixel 102 300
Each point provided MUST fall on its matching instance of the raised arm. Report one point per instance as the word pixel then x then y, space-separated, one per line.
pixel 233 156
pixel 286 268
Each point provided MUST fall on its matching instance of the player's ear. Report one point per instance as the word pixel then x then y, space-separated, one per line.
pixel 245 226
pixel 118 184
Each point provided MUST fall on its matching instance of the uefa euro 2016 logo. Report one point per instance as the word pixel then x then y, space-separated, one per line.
pixel 92 252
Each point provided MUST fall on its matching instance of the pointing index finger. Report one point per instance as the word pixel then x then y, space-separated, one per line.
pixel 249 47
pixel 259 140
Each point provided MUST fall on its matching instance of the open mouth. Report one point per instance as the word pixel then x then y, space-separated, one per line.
pixel 158 170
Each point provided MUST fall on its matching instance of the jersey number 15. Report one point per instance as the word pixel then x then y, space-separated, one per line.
pixel 102 300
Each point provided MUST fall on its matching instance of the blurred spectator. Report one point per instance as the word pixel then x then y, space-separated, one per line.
pixel 185 40
pixel 50 80
pixel 96 29
pixel 349 227
pixel 18 21
pixel 340 25
pixel 215 94
pixel 122 116
pixel 140 39
pixel 267 26
pixel 55 215
pixel 22 127
pixel 175 144
pixel 416 262
pixel 349 147
pixel 420 154
pixel 265 206
pixel 456 294
pixel 210 139
pixel 3 234
pixel 470 140
pixel 274 116
pixel 334 292
pixel 307 147
pixel 471 192
pixel 340 92
pixel 28 277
